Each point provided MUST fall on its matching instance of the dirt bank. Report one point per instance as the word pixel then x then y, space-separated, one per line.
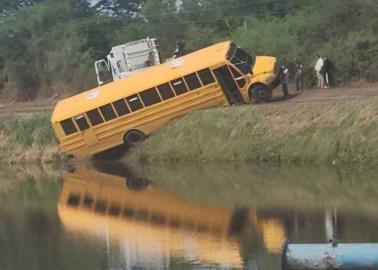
pixel 333 125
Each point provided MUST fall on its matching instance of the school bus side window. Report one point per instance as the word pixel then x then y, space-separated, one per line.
pixel 95 117
pixel 134 103
pixel 121 107
pixel 108 112
pixel 206 76
pixel 165 91
pixel 87 201
pixel 179 86
pixel 81 122
pixel 192 81
pixel 149 97
pixel 73 200
pixel 100 206
pixel 68 126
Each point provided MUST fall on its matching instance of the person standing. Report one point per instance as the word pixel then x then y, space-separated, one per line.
pixel 299 73
pixel 318 69
pixel 326 71
pixel 284 75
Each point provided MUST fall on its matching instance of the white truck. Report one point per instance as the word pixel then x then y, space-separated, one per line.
pixel 126 59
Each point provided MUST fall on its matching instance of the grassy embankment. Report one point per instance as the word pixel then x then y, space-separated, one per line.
pixel 333 131
pixel 28 139
pixel 323 131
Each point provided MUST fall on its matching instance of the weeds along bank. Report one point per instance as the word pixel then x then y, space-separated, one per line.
pixel 28 138
pixel 322 131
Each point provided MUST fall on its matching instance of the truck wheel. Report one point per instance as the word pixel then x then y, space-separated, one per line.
pixel 259 94
pixel 134 137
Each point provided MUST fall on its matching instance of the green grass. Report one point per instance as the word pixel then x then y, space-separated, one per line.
pixel 328 131
pixel 29 130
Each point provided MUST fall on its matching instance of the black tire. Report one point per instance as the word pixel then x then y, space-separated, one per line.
pixel 137 184
pixel 134 137
pixel 260 94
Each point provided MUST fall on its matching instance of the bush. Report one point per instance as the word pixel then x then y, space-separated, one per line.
pixel 31 130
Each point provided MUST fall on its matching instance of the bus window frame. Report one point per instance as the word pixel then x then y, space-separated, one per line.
pixel 102 117
pixel 240 77
pixel 75 125
pixel 115 112
pixel 198 78
pixel 87 120
pixel 182 81
pixel 141 101
pixel 212 74
pixel 127 106
pixel 172 90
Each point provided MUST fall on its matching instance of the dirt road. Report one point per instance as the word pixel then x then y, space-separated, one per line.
pixel 309 95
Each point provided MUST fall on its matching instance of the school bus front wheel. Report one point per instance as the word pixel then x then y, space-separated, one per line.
pixel 134 137
pixel 259 93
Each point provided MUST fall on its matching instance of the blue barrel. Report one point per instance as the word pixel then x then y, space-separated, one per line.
pixel 330 256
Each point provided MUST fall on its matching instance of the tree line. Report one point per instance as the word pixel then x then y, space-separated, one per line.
pixel 49 46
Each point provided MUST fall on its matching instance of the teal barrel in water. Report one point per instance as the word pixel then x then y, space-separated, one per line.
pixel 330 256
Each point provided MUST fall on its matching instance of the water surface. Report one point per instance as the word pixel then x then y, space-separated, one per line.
pixel 178 216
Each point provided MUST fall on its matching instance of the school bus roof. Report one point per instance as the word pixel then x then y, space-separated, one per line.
pixel 140 81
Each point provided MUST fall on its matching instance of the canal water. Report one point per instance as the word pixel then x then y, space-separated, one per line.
pixel 178 216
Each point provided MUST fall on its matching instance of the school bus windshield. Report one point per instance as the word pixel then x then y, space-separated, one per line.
pixel 242 60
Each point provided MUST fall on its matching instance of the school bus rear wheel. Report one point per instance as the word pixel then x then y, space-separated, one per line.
pixel 259 94
pixel 134 137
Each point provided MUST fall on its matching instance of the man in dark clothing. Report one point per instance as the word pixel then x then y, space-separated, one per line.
pixel 326 72
pixel 284 75
pixel 180 49
pixel 299 73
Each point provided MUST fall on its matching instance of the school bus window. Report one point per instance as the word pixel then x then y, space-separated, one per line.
pixel 234 72
pixel 121 107
pixel 114 210
pixel 165 91
pixel 192 81
pixel 73 200
pixel 241 82
pixel 87 202
pixel 175 222
pixel 179 86
pixel 134 103
pixel 202 228
pixel 158 218
pixel 81 122
pixel 68 126
pixel 188 224
pixel 108 112
pixel 128 212
pixel 141 215
pixel 206 76
pixel 95 117
pixel 149 97
pixel 100 206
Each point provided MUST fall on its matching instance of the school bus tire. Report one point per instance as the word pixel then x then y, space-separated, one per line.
pixel 259 93
pixel 134 137
pixel 137 184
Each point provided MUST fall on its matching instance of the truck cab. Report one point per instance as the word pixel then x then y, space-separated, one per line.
pixel 126 59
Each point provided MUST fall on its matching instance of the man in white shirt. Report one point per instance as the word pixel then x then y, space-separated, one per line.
pixel 318 69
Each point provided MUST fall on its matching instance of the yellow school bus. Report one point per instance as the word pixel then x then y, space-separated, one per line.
pixel 127 110
pixel 157 222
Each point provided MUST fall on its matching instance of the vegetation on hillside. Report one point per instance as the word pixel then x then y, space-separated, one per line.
pixel 48 46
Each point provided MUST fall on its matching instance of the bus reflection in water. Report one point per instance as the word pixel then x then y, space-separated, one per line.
pixel 150 226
